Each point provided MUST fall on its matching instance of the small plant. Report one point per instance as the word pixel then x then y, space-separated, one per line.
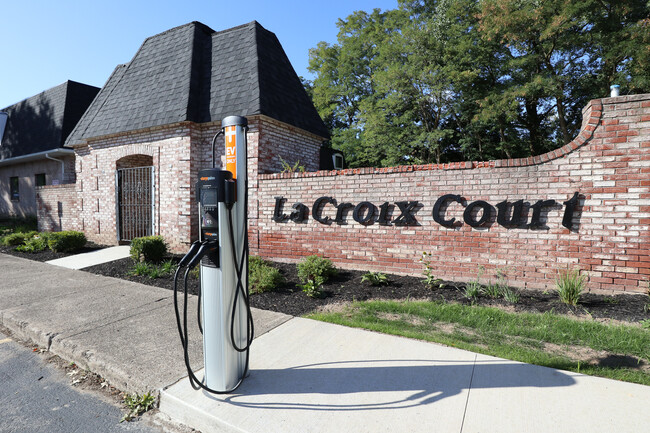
pixel 137 405
pixel 146 269
pixel 288 168
pixel 375 278
pixel 148 249
pixel 645 324
pixel 16 239
pixel 491 290
pixel 263 277
pixel 429 279
pixel 510 295
pixel 317 269
pixel 312 289
pixel 33 245
pixel 141 269
pixel 472 291
pixel 569 285
pixel 66 241
pixel 168 267
pixel 646 307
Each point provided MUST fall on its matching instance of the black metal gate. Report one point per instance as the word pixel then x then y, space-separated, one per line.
pixel 134 202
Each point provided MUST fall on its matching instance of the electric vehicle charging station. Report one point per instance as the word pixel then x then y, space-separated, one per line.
pixel 224 315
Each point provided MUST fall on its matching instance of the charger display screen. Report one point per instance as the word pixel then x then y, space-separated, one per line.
pixel 209 197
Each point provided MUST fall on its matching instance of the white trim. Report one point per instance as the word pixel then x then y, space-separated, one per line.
pixel 36 156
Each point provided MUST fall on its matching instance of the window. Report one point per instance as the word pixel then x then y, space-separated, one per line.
pixel 337 159
pixel 40 179
pixel 13 186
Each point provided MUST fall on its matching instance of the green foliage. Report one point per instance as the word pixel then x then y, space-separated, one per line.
pixel 465 79
pixel 35 244
pixel 429 278
pixel 312 289
pixel 148 248
pixel 315 269
pixel 19 238
pixel 472 291
pixel 510 295
pixel 66 241
pixel 375 278
pixel 137 405
pixel 263 277
pixel 645 324
pixel 569 285
pixel 295 168
pixel 151 270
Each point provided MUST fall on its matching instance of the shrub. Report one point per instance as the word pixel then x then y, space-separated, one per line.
pixel 33 245
pixel 569 285
pixel 148 248
pixel 141 269
pixel 15 239
pixel 316 269
pixel 67 241
pixel 263 277
pixel 375 278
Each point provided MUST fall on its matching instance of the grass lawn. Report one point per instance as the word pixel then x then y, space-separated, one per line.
pixel 609 350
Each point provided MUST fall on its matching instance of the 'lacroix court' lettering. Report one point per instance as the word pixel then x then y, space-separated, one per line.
pixel 476 214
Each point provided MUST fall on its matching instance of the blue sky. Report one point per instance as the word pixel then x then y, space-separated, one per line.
pixel 45 42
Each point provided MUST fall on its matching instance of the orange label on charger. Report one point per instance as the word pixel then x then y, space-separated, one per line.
pixel 231 150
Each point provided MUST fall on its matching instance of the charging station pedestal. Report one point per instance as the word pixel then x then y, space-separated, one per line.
pixel 224 312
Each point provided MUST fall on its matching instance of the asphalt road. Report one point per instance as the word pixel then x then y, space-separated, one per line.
pixel 37 397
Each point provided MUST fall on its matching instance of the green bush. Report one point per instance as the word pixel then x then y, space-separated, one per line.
pixel 67 241
pixel 148 248
pixel 316 269
pixel 15 239
pixel 33 245
pixel 569 285
pixel 263 277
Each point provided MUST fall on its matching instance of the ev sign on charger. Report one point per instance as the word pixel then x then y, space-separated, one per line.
pixel 231 150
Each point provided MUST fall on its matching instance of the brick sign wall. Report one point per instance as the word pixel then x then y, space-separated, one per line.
pixel 585 205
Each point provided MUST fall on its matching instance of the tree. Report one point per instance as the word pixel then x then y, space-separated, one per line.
pixel 442 80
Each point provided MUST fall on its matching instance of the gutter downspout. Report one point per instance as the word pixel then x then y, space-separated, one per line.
pixel 47 155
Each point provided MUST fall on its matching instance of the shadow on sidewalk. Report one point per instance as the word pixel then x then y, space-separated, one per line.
pixel 385 383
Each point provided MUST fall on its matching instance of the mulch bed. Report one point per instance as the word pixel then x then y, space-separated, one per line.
pixel 348 287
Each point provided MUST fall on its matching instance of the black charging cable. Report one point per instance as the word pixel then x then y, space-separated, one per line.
pixel 190 260
pixel 214 141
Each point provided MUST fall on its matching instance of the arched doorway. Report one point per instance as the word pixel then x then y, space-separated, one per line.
pixel 134 198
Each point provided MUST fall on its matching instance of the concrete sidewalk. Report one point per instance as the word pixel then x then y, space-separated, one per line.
pixel 85 260
pixel 305 375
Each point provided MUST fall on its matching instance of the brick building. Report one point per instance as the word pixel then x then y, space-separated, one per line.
pixel 31 147
pixel 148 132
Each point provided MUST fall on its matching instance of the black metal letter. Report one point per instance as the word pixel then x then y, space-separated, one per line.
pixel 515 219
pixel 406 218
pixel 340 211
pixel 383 214
pixel 536 220
pixel 300 213
pixel 568 211
pixel 467 215
pixel 278 216
pixel 359 208
pixel 317 208
pixel 440 219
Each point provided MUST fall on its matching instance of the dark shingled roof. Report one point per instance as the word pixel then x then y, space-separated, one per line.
pixel 192 73
pixel 44 121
